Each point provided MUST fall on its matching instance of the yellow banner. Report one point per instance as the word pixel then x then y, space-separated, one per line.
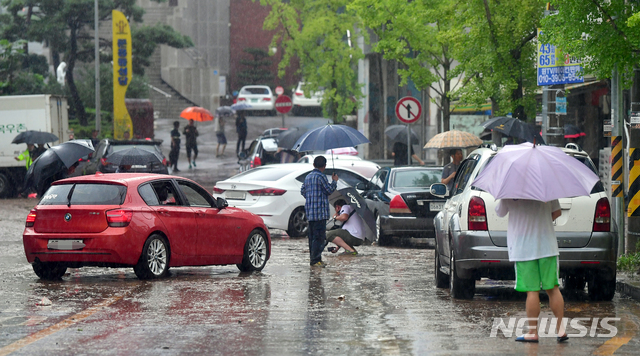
pixel 122 125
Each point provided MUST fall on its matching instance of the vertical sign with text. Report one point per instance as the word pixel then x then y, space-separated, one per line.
pixel 555 67
pixel 122 125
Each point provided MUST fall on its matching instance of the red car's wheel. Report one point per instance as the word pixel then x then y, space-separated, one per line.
pixel 154 261
pixel 255 252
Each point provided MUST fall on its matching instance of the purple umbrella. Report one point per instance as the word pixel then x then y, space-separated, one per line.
pixel 532 172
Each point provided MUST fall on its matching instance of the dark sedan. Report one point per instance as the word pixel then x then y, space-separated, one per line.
pixel 100 161
pixel 401 201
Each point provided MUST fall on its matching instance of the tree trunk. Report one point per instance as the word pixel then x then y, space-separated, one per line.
pixel 445 101
pixel 516 96
pixel 76 102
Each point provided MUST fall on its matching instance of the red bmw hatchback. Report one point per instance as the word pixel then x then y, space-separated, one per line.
pixel 146 221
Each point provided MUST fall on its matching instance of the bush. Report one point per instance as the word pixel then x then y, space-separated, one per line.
pixel 630 262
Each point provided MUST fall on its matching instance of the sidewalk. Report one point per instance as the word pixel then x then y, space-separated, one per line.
pixel 628 284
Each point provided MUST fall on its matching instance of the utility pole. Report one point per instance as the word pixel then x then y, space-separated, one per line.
pixel 97 62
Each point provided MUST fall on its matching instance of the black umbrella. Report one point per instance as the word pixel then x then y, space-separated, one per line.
pixel 353 198
pixel 286 139
pixel 55 160
pixel 572 131
pixel 398 133
pixel 514 127
pixel 31 137
pixel 133 156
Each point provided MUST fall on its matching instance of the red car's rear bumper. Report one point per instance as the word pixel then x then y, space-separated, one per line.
pixel 114 245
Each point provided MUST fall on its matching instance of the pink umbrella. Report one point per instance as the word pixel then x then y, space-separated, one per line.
pixel 343 151
pixel 541 173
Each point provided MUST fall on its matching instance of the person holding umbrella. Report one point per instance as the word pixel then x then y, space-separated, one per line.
pixel 449 171
pixel 241 129
pixel 352 231
pixel 191 133
pixel 27 155
pixel 316 190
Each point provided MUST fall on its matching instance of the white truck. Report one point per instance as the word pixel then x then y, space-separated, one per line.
pixel 21 113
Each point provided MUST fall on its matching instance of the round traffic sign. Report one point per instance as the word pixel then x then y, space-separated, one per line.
pixel 283 104
pixel 408 109
pixel 279 90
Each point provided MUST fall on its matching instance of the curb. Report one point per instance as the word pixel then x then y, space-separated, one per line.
pixel 628 289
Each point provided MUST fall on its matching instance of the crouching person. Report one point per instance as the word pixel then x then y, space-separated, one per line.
pixel 352 232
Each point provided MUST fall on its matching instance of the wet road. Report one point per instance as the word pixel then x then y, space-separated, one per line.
pixel 381 302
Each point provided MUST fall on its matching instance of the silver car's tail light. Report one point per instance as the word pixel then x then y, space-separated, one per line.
pixel 602 217
pixel 119 217
pixel 31 218
pixel 477 214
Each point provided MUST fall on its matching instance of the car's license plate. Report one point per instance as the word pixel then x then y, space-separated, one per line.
pixel 138 166
pixel 436 206
pixel 254 100
pixel 235 195
pixel 65 244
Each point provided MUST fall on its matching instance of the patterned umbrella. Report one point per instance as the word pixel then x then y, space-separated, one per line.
pixel 453 139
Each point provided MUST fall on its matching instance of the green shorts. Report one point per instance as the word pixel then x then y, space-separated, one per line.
pixel 531 276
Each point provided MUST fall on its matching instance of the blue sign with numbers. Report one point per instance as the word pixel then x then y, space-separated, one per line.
pixel 554 67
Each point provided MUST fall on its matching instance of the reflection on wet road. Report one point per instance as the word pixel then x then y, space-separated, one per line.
pixel 381 302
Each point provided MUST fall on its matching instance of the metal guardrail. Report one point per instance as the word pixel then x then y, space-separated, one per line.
pixel 166 95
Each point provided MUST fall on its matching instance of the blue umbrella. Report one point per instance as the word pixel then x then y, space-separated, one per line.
pixel 328 137
pixel 241 106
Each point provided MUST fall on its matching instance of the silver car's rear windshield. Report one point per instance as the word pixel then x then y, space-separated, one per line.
pixel 416 178
pixel 85 194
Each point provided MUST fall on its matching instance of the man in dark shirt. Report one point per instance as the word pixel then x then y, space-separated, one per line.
pixel 191 132
pixel 175 146
pixel 400 155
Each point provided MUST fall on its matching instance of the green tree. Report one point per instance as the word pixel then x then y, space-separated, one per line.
pixel 66 26
pixel 256 73
pixel 602 33
pixel 417 35
pixel 318 33
pixel 497 52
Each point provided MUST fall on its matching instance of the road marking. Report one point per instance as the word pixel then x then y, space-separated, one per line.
pixel 613 344
pixel 57 327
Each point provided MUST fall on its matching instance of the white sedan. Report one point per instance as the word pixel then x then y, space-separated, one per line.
pixel 273 193
pixel 259 97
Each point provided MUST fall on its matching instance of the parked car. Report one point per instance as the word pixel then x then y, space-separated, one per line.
pixel 401 200
pixel 355 163
pixel 273 132
pixel 306 105
pixel 146 221
pixel 471 240
pixel 259 97
pixel 99 160
pixel 261 151
pixel 273 193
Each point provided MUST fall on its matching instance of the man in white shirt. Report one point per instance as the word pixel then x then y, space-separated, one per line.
pixel 532 245
pixel 352 232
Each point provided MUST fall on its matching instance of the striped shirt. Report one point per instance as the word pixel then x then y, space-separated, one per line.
pixel 316 190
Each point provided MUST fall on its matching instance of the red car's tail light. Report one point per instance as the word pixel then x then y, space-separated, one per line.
pixel 119 217
pixel 398 206
pixel 477 214
pixel 266 99
pixel 103 161
pixel 217 190
pixel 602 217
pixel 267 192
pixel 31 218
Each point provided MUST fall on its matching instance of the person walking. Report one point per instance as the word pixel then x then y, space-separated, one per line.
pixel 241 129
pixel 191 133
pixel 352 231
pixel 533 246
pixel 316 190
pixel 399 155
pixel 174 154
pixel 222 139
pixel 449 171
